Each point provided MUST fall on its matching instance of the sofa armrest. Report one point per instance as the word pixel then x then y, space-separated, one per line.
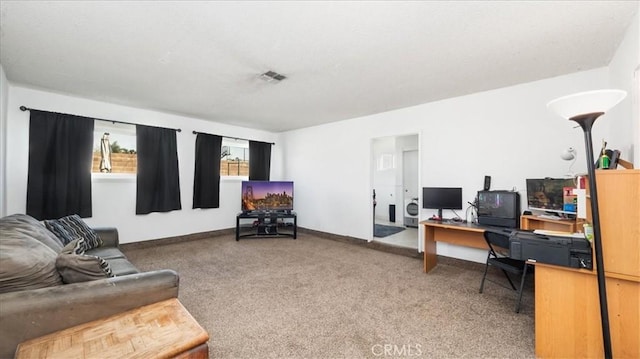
pixel 109 236
pixel 32 313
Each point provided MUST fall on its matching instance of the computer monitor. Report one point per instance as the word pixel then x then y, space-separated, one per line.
pixel 442 198
pixel 553 195
pixel 498 208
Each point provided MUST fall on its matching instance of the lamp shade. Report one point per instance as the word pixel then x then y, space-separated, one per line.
pixel 586 102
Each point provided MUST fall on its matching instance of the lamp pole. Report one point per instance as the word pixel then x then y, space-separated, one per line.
pixel 586 122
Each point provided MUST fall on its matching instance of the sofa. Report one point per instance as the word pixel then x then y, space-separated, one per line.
pixel 41 292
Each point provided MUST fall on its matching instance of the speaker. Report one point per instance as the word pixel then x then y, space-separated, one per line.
pixel 487 183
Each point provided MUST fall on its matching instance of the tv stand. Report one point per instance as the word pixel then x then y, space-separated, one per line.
pixel 266 224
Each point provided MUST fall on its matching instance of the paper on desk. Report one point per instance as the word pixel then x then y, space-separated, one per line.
pixel 558 233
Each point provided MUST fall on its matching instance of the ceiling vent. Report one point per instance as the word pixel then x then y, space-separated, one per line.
pixel 272 76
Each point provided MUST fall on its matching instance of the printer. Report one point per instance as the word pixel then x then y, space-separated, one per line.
pixel 567 251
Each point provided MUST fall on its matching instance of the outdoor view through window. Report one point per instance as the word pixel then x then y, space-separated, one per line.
pixel 114 151
pixel 234 158
pixel 114 148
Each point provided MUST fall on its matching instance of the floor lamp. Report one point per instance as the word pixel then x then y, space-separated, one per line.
pixel 584 108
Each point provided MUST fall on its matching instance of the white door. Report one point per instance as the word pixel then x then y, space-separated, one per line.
pixel 410 174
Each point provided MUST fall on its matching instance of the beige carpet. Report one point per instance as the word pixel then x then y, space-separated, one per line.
pixel 320 298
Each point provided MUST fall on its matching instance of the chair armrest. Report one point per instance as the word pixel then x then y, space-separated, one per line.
pixel 109 236
pixel 32 313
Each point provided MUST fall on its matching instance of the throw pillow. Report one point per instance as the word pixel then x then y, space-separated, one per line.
pixel 71 227
pixel 77 246
pixel 75 267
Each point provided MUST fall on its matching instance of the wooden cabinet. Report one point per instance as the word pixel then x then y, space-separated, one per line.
pixel 619 206
pixel 567 318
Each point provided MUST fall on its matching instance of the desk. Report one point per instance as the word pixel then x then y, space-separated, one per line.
pixel 461 234
pixel 567 305
pixel 567 315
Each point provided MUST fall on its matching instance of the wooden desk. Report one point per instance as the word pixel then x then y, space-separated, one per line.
pixel 160 330
pixel 567 303
pixel 567 315
pixel 461 234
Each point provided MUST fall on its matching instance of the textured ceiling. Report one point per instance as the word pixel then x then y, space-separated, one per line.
pixel 342 59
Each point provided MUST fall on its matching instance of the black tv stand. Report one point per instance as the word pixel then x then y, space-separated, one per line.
pixel 266 224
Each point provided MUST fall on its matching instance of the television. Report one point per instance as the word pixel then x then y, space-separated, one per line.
pixel 498 208
pixel 267 196
pixel 442 198
pixel 553 195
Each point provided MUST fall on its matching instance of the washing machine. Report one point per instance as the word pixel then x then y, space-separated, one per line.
pixel 411 212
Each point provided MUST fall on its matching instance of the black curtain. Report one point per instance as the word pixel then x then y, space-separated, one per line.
pixel 158 182
pixel 206 179
pixel 60 155
pixel 259 160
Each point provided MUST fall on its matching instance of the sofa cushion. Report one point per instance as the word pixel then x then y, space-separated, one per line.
pixel 73 227
pixel 74 266
pixel 106 252
pixel 122 266
pixel 26 259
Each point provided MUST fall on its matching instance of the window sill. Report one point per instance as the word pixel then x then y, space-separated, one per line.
pixel 233 178
pixel 113 177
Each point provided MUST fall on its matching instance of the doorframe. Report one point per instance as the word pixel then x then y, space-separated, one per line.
pixel 372 169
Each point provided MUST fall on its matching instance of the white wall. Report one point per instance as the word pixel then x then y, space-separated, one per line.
pixel 507 133
pixel 4 98
pixel 624 74
pixel 114 200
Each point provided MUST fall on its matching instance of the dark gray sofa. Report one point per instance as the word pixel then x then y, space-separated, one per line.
pixel 32 312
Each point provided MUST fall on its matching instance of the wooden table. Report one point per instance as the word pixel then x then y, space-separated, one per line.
pixel 461 234
pixel 161 330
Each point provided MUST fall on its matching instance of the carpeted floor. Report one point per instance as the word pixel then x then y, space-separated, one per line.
pixel 319 298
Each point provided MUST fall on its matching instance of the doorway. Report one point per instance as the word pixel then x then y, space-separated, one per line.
pixel 394 171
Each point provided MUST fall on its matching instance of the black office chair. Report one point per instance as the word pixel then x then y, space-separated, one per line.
pixel 498 238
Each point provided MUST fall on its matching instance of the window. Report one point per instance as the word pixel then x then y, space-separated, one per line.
pixel 386 161
pixel 120 141
pixel 234 158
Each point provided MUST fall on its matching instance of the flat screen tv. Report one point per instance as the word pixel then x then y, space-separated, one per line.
pixel 442 198
pixel 499 208
pixel 267 196
pixel 552 195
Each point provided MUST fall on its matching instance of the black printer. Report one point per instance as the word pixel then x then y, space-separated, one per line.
pixel 567 251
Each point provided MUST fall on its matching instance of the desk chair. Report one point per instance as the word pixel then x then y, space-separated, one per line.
pixel 496 238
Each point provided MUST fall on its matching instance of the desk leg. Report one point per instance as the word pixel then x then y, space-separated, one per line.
pixel 430 256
